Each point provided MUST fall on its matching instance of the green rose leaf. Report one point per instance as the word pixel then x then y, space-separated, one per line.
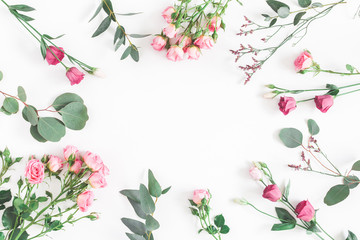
pixel 29 113
pixel 35 134
pixel 64 99
pixel 291 137
pixel 351 236
pixel 21 93
pixel 154 186
pixel 42 199
pixel 11 105
pixel 151 223
pixel 313 127
pixel 134 236
pixel 284 215
pixel 137 208
pixel 298 17
pixel 336 194
pixel 104 25
pixel 304 3
pixel 51 129
pixel 283 226
pixel 219 221
pixel 132 194
pixel 5 196
pixel 356 166
pixel 134 226
pixel 225 229
pixel 146 201
pixel 9 218
pixel 74 115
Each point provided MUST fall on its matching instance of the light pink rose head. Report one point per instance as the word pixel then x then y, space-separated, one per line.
pixel 287 104
pixel 97 180
pixel 85 200
pixel 184 42
pixel 193 52
pixel 170 31
pixel 50 58
pixel 303 61
pixel 215 23
pixel 204 42
pixel 166 14
pixel 70 151
pixel 305 211
pixel 159 43
pixel 55 163
pixel 272 193
pixel 35 171
pixel 199 195
pixel 175 53
pixel 255 173
pixel 93 161
pixel 104 170
pixel 324 102
pixel 76 167
pixel 74 75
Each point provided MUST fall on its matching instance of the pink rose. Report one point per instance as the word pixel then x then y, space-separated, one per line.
pixel 50 58
pixel 70 151
pixel 272 193
pixel 287 104
pixel 166 14
pixel 55 163
pixel 175 53
pixel 199 195
pixel 104 170
pixel 215 24
pixel 74 75
pixel 35 171
pixel 170 31
pixel 204 42
pixel 184 41
pixel 76 167
pixel 255 173
pixel 324 102
pixel 97 180
pixel 193 52
pixel 304 61
pixel 85 200
pixel 93 161
pixel 305 211
pixel 159 43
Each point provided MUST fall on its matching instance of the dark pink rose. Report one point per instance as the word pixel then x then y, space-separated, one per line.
pixel 305 211
pixel 74 75
pixel 50 58
pixel 272 193
pixel 324 102
pixel 287 104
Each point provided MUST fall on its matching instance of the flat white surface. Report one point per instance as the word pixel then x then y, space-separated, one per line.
pixel 193 123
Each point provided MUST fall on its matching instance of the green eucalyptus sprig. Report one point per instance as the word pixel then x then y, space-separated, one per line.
pixel 121 36
pixel 202 211
pixel 144 201
pixel 69 106
pixel 293 138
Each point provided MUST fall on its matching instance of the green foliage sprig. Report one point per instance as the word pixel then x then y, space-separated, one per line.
pixel 293 138
pixel 202 211
pixel 121 36
pixel 69 106
pixel 256 57
pixel 144 201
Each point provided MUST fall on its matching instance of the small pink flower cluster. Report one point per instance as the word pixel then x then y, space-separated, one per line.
pixel 88 166
pixel 178 44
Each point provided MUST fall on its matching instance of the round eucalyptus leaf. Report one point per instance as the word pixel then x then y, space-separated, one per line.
pixel 51 129
pixel 151 223
pixel 313 127
pixel 283 12
pixel 291 137
pixel 35 133
pixel 29 113
pixel 11 105
pixel 21 93
pixel 64 99
pixel 74 115
pixel 336 194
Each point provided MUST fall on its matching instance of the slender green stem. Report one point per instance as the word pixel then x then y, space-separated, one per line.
pixel 324 231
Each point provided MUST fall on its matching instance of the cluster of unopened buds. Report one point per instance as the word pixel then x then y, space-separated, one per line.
pixel 188 34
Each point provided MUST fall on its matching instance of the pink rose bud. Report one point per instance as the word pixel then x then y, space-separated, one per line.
pixel 215 23
pixel 166 14
pixel 97 180
pixel 204 42
pixel 35 171
pixel 255 173
pixel 304 61
pixel 74 75
pixel 199 195
pixel 85 200
pixel 93 161
pixel 324 102
pixel 76 167
pixel 55 163
pixel 305 211
pixel 175 53
pixel 70 151
pixel 50 58
pixel 159 43
pixel 184 41
pixel 193 52
pixel 272 193
pixel 287 104
pixel 170 31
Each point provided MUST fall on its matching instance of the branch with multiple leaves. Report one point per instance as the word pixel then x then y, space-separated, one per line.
pixel 69 106
pixel 293 138
pixel 144 203
pixel 49 50
pixel 299 25
pixel 121 36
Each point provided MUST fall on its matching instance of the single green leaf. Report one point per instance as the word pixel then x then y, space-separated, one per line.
pixel 317 4
pixel 134 226
pixel 97 11
pixel 287 190
pixel 25 17
pixel 42 199
pixel 336 194
pixel 5 196
pixel 22 8
pixel 35 134
pixel 350 68
pixel 52 38
pixel 284 215
pixel 283 12
pixel 304 3
pixel 132 194
pixel 139 35
pixel 272 23
pixel 74 115
pixel 219 221
pixel 291 137
pixel 283 226
pixel 128 14
pixel 356 166
pixel 21 93
pixel 134 53
pixel 135 237
pixel 11 105
pixel 313 127
pixel 351 236
pixel 166 190
pixel 147 203
pixel 151 223
pixel 298 17
pixel 9 218
pixel 51 129
pixel 29 113
pixel 126 53
pixel 137 208
pixel 351 181
pixel 104 25
pixel 194 211
pixel 64 99
pixel 225 229
pixel 154 186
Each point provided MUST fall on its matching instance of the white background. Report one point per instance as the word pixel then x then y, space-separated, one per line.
pixel 193 123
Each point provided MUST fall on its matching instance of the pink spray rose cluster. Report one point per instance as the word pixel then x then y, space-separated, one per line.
pixel 185 36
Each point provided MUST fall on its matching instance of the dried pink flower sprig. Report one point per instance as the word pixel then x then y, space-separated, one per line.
pixel 77 175
pixel 190 29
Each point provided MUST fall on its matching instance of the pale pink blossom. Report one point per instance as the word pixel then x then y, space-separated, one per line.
pixel 85 200
pixel 170 31
pixel 166 14
pixel 204 42
pixel 193 52
pixel 35 171
pixel 159 43
pixel 175 53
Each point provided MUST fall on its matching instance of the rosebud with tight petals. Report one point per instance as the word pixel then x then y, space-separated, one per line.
pixel 159 42
pixel 166 14
pixel 175 53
